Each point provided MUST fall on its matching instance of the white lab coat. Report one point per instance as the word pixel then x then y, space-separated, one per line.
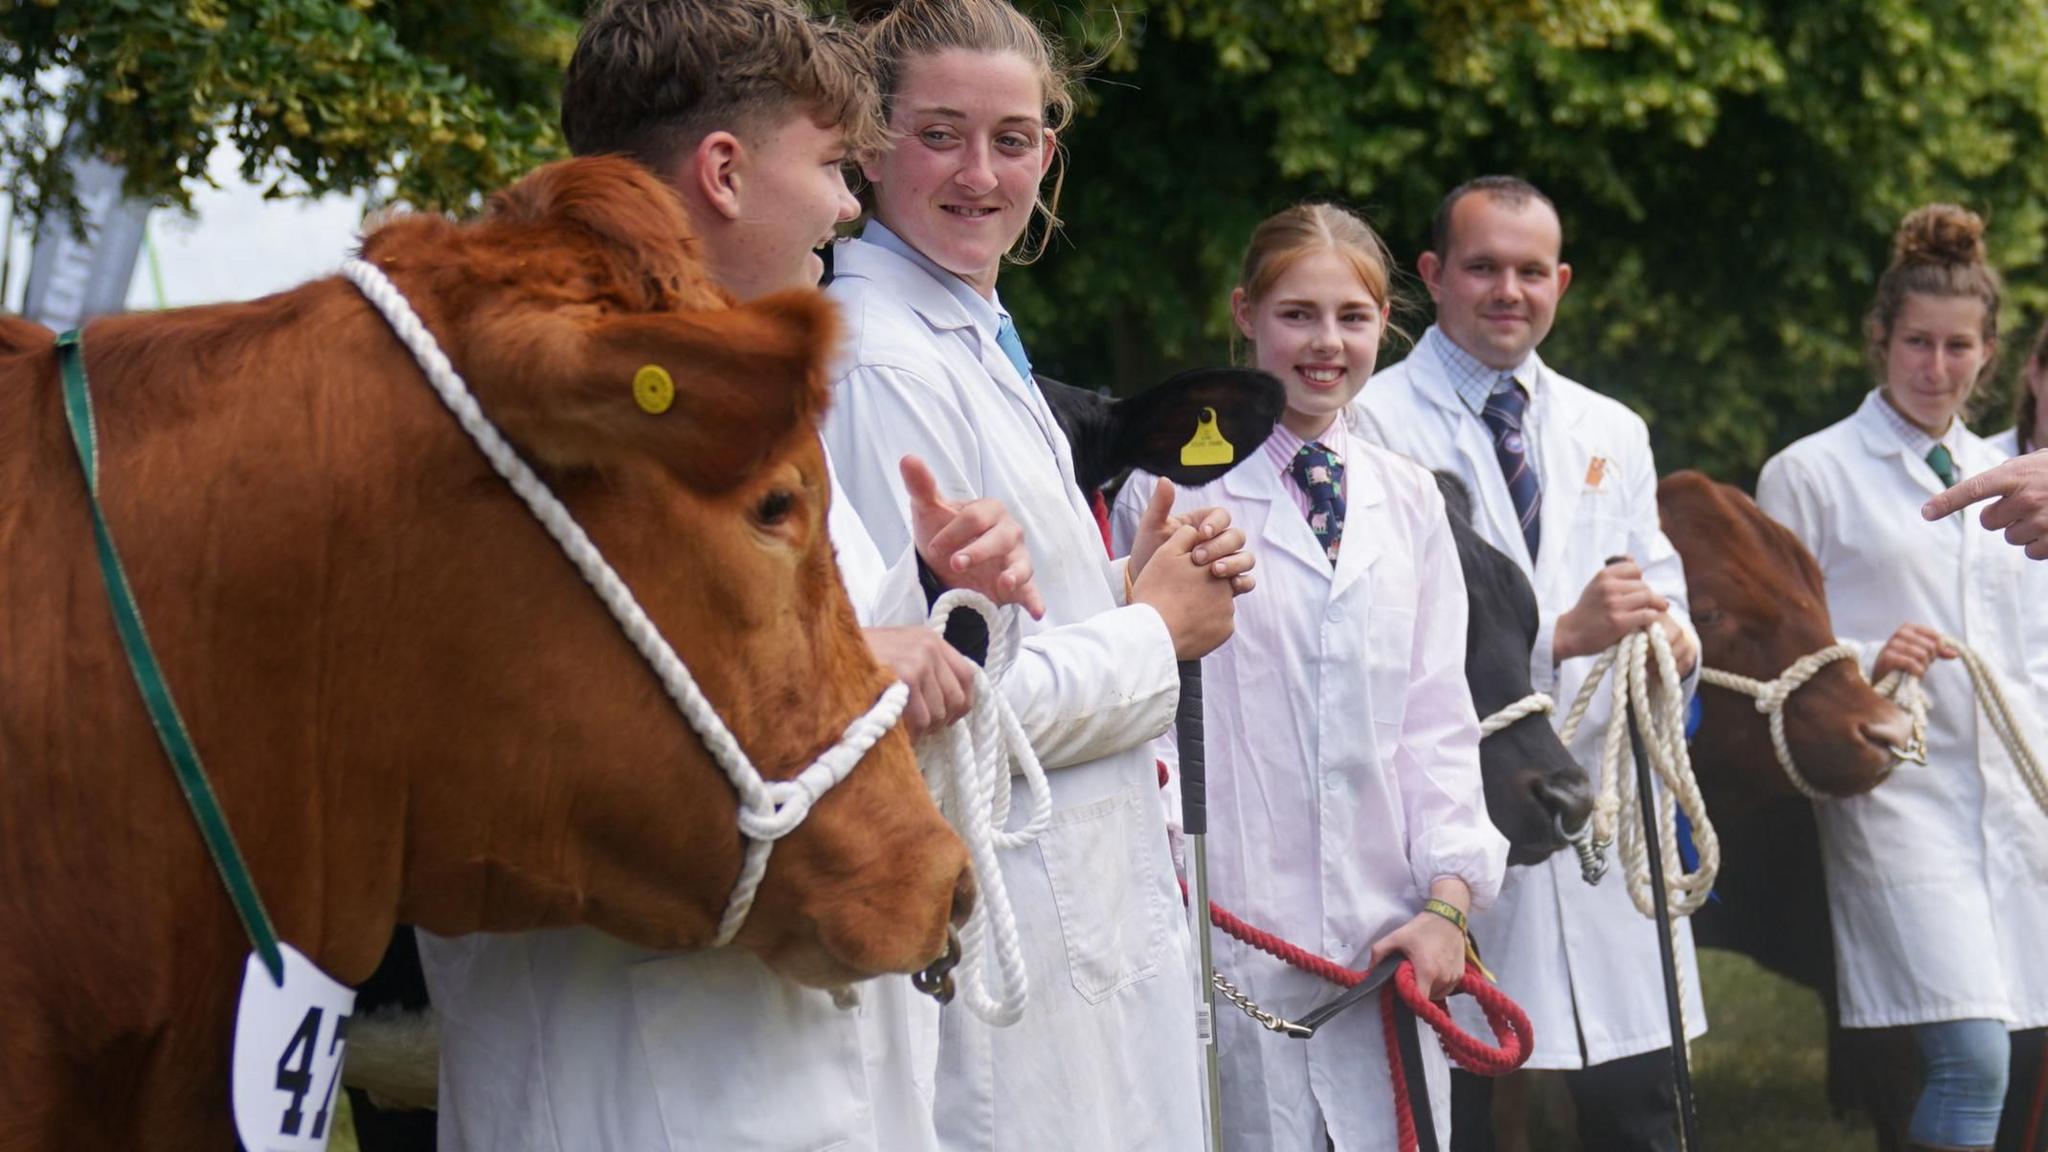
pixel 1104 1057
pixel 1937 879
pixel 570 1040
pixel 2006 443
pixel 1343 759
pixel 1555 942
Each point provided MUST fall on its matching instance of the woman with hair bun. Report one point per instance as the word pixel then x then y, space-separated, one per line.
pixel 1937 880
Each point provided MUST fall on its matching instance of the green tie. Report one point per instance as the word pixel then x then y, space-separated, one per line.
pixel 1944 465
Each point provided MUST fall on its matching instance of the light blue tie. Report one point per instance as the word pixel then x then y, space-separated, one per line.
pixel 1013 347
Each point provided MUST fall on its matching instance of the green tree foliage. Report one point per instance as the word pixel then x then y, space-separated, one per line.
pixel 443 100
pixel 1729 172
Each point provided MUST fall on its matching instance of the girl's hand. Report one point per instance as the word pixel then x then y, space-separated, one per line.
pixel 1431 943
pixel 1912 649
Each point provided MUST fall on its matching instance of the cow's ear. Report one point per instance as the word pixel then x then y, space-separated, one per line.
pixel 1198 425
pixel 647 249
pixel 710 395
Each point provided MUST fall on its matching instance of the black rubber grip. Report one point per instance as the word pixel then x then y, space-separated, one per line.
pixel 1187 727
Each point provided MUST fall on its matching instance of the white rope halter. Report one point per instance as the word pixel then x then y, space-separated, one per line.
pixel 1906 692
pixel 969 774
pixel 768 810
pixel 1659 708
pixel 1771 697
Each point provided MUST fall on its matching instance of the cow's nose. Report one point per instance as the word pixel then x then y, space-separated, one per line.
pixel 1569 798
pixel 963 897
pixel 1892 729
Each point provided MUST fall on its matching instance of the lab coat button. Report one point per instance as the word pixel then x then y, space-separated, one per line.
pixel 1336 613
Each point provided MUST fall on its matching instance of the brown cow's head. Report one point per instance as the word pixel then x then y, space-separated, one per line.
pixel 1759 605
pixel 606 808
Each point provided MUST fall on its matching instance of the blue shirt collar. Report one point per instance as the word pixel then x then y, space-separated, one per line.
pixel 987 314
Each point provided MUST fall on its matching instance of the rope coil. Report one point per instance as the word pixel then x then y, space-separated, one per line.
pixel 768 810
pixel 968 767
pixel 1659 709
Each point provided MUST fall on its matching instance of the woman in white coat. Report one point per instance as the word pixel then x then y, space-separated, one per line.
pixel 1937 880
pixel 1347 811
pixel 1105 1054
pixel 2029 431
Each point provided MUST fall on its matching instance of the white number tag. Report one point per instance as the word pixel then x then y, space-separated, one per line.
pixel 289 1044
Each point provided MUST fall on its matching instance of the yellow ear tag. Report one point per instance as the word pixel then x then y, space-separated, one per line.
pixel 653 389
pixel 1207 447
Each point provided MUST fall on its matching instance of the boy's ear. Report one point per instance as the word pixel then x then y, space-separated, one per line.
pixel 1048 152
pixel 717 165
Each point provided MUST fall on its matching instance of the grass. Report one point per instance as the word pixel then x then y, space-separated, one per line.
pixel 1760 1073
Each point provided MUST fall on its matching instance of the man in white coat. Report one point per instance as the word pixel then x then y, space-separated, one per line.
pixel 1563 482
pixel 570 1040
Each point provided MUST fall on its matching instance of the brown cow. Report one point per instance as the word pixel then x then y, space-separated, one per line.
pixel 412 707
pixel 1756 598
pixel 1759 604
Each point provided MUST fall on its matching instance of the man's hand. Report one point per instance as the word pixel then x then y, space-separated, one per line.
pixel 941 681
pixel 2021 485
pixel 1194 603
pixel 1616 602
pixel 977 545
pixel 1913 649
pixel 1219 546
pixel 1684 652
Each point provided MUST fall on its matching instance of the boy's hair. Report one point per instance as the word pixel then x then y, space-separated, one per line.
pixel 650 78
pixel 1512 191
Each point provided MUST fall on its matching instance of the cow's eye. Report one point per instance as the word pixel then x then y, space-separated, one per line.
pixel 1707 617
pixel 775 507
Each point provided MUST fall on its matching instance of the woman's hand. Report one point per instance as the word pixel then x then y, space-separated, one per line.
pixel 1913 649
pixel 1431 942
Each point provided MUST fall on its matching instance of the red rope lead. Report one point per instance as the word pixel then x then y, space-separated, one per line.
pixel 1510 1025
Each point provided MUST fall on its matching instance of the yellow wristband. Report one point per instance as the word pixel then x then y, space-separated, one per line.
pixel 1447 910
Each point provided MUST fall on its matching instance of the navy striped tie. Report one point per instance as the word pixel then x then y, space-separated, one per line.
pixel 1503 416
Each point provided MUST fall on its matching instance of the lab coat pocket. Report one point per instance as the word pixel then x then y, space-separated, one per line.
pixel 1390 646
pixel 1109 911
pixel 736 1095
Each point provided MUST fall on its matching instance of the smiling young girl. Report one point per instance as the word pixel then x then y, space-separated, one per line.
pixel 1104 1054
pixel 1937 880
pixel 1346 806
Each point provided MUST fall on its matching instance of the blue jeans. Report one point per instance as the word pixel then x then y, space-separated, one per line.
pixel 1965 1064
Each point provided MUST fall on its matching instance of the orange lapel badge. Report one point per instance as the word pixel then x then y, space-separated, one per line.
pixel 1596 471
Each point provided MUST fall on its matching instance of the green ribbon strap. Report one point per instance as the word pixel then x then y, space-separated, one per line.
pixel 149 675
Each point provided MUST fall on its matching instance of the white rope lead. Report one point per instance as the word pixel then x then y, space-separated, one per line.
pixel 1659 708
pixel 968 767
pixel 768 810
pixel 1907 693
